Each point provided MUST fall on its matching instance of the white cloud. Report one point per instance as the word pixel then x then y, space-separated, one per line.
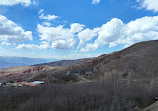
pixel 9 31
pixel 34 3
pixel 142 29
pixel 44 45
pixel 27 46
pixel 46 23
pixel 113 33
pixel 87 35
pixel 54 33
pixel 41 11
pixel 107 33
pixel 149 4
pixel 16 2
pixel 63 44
pixel 60 37
pixel 46 17
pixel 90 47
pixel 95 1
pixel 5 44
pixel 116 32
pixel 76 27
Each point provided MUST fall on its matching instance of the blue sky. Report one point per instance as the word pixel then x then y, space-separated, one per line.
pixel 72 29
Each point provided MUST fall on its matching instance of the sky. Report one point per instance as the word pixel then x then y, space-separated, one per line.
pixel 73 29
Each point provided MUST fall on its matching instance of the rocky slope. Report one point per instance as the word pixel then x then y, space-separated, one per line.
pixel 25 73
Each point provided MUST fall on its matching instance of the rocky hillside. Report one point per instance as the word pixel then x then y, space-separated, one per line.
pixel 137 62
pixel 25 73
pixel 36 72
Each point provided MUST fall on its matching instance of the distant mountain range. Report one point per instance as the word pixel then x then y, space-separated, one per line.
pixel 6 62
pixel 62 63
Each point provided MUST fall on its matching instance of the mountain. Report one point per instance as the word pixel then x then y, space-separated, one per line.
pixel 36 72
pixel 21 61
pixel 62 63
pixel 138 63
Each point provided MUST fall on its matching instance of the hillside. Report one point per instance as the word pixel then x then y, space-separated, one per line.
pixel 62 63
pixel 25 73
pixel 36 72
pixel 140 60
pixel 137 62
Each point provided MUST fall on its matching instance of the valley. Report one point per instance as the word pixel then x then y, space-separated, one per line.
pixel 78 55
pixel 128 77
pixel 137 63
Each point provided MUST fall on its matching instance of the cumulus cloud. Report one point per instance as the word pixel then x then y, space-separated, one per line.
pixel 16 2
pixel 76 27
pixel 142 29
pixel 41 11
pixel 95 1
pixel 5 44
pixel 34 3
pixel 46 17
pixel 116 32
pixel 149 4
pixel 46 23
pixel 9 31
pixel 112 33
pixel 63 44
pixel 54 33
pixel 90 47
pixel 44 45
pixel 60 37
pixel 87 35
pixel 107 33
